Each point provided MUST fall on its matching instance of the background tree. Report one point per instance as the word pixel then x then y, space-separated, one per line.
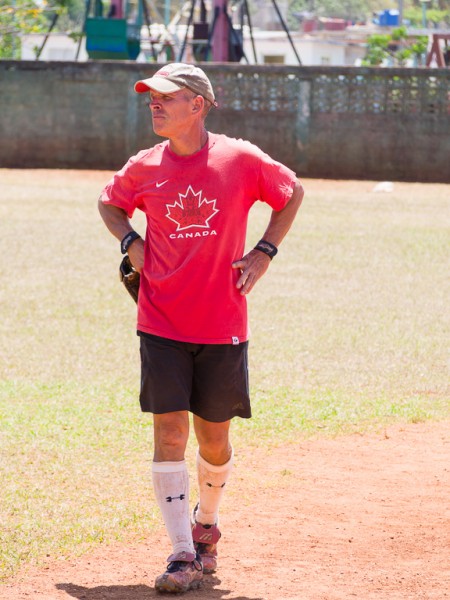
pixel 396 47
pixel 435 16
pixel 363 10
pixel 18 17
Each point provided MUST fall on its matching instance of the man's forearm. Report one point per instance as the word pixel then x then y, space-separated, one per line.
pixel 281 221
pixel 254 264
pixel 115 219
pixel 118 223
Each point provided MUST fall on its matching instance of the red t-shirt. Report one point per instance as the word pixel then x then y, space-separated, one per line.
pixel 196 208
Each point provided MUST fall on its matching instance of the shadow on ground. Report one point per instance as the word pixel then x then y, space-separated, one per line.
pixel 144 592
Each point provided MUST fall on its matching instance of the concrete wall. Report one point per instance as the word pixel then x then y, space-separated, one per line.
pixel 382 124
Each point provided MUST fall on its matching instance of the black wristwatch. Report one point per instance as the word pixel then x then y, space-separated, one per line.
pixel 267 248
pixel 128 240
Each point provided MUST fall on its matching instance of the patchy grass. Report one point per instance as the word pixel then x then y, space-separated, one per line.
pixel 350 332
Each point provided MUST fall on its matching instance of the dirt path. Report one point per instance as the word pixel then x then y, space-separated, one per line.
pixel 356 517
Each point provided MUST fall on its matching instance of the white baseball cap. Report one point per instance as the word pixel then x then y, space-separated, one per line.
pixel 176 76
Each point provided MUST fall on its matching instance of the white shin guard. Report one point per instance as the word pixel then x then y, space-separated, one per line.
pixel 171 486
pixel 211 481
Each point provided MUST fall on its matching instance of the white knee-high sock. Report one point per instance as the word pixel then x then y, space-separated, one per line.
pixel 171 486
pixel 211 482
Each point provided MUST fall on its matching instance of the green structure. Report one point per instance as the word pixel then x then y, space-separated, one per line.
pixel 116 36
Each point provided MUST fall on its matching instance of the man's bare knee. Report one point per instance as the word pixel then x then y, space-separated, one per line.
pixel 213 441
pixel 171 433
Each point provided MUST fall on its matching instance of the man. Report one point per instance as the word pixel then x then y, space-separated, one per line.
pixel 196 189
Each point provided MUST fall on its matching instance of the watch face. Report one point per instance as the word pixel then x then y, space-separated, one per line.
pixel 267 248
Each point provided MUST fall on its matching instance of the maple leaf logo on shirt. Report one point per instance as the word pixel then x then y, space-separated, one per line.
pixel 191 210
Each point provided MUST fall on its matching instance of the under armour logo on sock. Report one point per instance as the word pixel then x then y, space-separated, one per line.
pixel 172 498
pixel 216 486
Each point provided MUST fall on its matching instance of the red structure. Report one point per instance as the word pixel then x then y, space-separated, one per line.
pixel 221 35
pixel 436 51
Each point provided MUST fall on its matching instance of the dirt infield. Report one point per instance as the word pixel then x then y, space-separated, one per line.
pixel 353 517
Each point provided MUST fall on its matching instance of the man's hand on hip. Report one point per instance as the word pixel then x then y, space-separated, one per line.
pixel 136 254
pixel 253 266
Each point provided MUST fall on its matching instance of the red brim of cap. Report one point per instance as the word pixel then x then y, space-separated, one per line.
pixel 159 84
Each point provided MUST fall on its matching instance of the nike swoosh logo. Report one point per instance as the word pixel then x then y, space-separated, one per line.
pixel 161 183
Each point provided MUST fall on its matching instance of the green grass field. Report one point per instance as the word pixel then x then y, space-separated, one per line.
pixel 350 331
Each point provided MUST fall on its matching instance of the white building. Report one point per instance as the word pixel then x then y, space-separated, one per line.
pixel 330 48
pixel 58 46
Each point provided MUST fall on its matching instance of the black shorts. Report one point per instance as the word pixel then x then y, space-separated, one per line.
pixel 209 380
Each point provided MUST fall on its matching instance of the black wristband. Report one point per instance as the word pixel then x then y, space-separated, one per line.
pixel 267 248
pixel 128 240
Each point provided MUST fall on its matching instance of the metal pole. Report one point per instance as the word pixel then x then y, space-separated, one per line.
pixel 247 12
pixel 183 47
pixel 400 12
pixel 83 30
pixel 47 35
pixel 167 12
pixel 148 23
pixel 235 36
pixel 280 16
pixel 211 35
pixel 15 40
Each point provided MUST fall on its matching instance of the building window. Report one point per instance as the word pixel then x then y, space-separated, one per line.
pixel 273 59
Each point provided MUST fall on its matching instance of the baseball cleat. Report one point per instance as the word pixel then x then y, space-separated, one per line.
pixel 205 543
pixel 184 572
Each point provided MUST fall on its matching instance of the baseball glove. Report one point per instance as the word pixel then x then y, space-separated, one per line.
pixel 129 277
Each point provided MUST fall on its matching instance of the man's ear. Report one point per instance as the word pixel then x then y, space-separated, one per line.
pixel 199 103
